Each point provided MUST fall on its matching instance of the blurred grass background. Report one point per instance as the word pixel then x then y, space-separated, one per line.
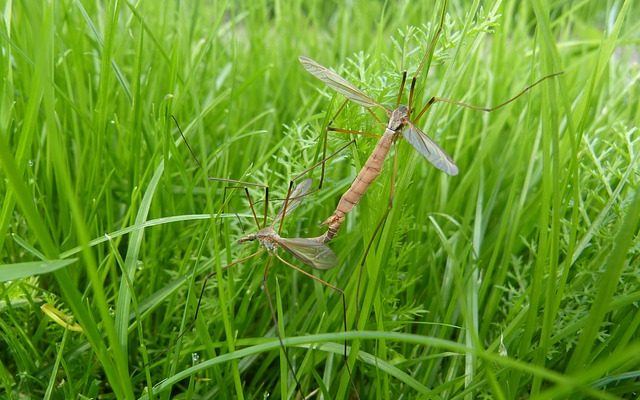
pixel 516 279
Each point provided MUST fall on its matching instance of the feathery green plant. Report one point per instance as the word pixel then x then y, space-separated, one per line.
pixel 517 278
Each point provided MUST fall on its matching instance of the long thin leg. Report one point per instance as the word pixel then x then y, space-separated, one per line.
pixel 366 253
pixel 329 128
pixel 244 184
pixel 325 140
pixel 240 183
pixel 236 184
pixel 382 124
pixel 481 108
pixel 212 274
pixel 274 317
pixel 251 203
pixel 353 132
pixel 342 106
pixel 321 162
pixel 193 154
pixel 428 55
pixel 342 296
pixel 224 203
pixel 285 205
pixel 204 285
pixel 253 210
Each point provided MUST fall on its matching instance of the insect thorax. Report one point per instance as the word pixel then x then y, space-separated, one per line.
pixel 268 239
pixel 268 244
pixel 398 118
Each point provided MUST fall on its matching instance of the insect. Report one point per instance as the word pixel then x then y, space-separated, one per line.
pixel 310 251
pixel 400 123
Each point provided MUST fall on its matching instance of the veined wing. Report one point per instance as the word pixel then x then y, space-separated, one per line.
pixel 429 149
pixel 311 252
pixel 338 83
pixel 294 199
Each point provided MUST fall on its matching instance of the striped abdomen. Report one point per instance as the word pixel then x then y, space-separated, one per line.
pixel 366 176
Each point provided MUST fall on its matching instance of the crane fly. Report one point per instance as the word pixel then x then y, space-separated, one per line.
pixel 400 123
pixel 310 251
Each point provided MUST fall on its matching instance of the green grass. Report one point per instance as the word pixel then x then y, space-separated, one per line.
pixel 516 279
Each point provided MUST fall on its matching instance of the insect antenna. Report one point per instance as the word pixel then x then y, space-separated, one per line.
pixel 404 79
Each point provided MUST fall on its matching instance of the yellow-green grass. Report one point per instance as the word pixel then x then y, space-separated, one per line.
pixel 516 279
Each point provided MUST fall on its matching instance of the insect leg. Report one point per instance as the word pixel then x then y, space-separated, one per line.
pixel 325 139
pixel 321 162
pixel 274 317
pixel 434 99
pixel 287 199
pixel 204 285
pixel 353 132
pixel 330 128
pixel 342 297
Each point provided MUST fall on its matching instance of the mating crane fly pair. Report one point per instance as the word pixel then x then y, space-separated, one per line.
pixel 399 123
pixel 313 251
pixel 398 120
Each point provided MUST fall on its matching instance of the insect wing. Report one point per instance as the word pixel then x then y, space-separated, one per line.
pixel 338 83
pixel 295 198
pixel 430 150
pixel 311 252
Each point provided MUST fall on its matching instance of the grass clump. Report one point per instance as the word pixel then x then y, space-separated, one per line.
pixel 518 278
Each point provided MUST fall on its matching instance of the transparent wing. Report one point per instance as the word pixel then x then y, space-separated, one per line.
pixel 430 150
pixel 295 198
pixel 338 83
pixel 311 252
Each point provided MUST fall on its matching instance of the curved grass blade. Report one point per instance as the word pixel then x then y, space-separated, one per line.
pixel 11 272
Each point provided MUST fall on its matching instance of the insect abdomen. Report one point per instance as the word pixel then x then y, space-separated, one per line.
pixel 361 183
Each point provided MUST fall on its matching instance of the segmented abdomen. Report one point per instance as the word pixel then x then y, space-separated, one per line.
pixel 366 176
